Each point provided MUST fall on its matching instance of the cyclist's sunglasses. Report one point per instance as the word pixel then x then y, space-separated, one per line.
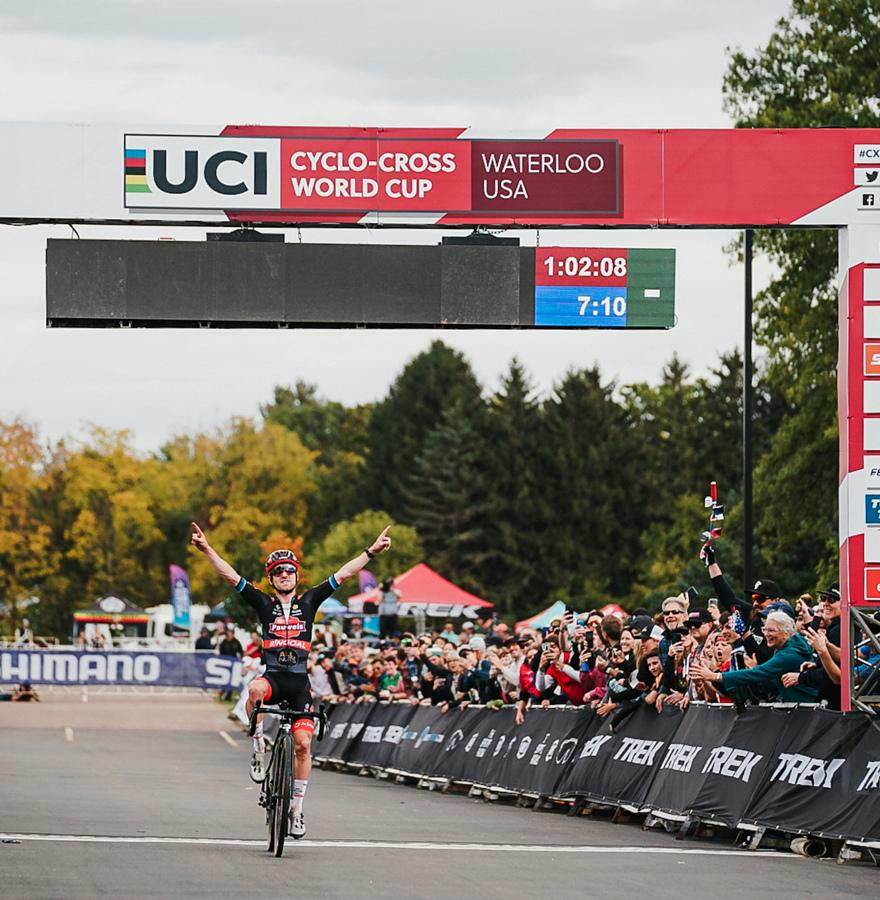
pixel 284 567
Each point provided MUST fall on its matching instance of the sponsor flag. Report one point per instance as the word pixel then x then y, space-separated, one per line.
pixel 181 602
pixel 366 580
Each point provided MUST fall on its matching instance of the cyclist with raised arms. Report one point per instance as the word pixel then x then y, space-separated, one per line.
pixel 286 621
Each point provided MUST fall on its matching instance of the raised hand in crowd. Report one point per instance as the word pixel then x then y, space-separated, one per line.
pixel 817 640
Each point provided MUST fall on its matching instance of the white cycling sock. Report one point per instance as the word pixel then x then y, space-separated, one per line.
pixel 259 743
pixel 299 794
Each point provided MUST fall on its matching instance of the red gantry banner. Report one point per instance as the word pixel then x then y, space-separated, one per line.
pixel 568 177
pixel 439 176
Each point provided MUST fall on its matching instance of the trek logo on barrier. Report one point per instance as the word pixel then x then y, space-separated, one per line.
pixel 731 762
pixel 680 757
pixel 871 780
pixel 806 771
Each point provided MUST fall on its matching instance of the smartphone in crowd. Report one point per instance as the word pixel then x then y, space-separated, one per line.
pixel 713 603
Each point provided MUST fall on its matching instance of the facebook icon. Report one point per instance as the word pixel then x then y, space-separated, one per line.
pixel 872 509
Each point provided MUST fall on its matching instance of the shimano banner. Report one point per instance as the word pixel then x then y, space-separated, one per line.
pixel 798 770
pixel 136 667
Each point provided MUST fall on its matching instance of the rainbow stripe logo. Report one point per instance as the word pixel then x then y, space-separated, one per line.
pixel 136 172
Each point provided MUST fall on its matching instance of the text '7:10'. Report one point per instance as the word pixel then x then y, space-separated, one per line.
pixel 616 307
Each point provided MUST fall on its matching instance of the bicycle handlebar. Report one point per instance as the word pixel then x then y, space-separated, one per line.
pixel 284 712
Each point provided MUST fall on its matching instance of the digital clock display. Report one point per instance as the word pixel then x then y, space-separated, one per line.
pixel 590 287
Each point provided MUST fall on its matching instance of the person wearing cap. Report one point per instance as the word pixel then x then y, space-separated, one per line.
pixel 790 652
pixel 649 642
pixel 286 624
pixel 829 613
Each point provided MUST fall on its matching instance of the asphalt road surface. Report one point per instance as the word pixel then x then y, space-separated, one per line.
pixel 149 797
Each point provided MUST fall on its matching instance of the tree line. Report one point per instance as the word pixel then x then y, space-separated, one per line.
pixel 589 494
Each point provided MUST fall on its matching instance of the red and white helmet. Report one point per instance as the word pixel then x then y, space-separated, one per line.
pixel 281 558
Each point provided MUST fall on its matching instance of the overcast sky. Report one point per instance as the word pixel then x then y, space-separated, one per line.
pixel 499 66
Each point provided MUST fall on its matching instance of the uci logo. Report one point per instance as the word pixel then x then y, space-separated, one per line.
pixel 181 172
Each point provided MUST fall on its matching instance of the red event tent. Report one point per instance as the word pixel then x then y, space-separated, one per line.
pixel 422 588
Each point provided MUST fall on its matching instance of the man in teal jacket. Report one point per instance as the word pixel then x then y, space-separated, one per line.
pixel 791 651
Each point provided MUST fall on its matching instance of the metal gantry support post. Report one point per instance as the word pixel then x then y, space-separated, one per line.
pixel 748 542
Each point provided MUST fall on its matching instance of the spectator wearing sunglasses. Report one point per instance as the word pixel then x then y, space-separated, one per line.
pixel 673 615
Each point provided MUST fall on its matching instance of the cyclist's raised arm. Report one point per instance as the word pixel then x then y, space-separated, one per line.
pixel 220 566
pixel 353 566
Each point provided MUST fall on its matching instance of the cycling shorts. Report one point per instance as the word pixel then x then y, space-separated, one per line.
pixel 294 688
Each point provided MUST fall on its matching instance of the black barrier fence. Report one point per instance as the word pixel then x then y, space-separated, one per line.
pixel 799 770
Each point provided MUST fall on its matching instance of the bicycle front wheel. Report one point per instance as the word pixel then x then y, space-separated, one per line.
pixel 283 764
pixel 269 794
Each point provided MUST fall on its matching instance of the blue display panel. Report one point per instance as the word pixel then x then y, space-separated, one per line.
pixel 580 307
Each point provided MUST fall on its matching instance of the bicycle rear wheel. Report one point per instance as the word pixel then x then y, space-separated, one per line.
pixel 283 763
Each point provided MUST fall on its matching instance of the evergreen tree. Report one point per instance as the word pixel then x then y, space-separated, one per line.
pixel 591 505
pixel 436 380
pixel 446 500
pixel 512 479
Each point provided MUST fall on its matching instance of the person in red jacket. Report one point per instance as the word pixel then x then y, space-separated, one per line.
pixel 554 670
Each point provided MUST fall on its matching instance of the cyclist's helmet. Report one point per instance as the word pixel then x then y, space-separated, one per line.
pixel 281 558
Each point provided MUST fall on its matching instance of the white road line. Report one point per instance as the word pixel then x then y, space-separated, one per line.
pixel 227 738
pixel 400 845
pixel 68 734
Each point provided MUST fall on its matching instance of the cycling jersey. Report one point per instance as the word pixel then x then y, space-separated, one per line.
pixel 286 639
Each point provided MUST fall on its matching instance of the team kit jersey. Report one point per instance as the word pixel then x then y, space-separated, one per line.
pixel 287 638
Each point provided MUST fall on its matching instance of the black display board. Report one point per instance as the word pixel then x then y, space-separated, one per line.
pixel 261 284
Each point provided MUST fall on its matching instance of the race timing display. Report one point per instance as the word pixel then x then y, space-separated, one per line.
pixel 106 283
pixel 603 287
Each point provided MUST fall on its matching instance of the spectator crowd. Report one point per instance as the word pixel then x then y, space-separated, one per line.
pixel 737 650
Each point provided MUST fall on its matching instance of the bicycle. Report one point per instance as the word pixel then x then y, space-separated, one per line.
pixel 277 786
